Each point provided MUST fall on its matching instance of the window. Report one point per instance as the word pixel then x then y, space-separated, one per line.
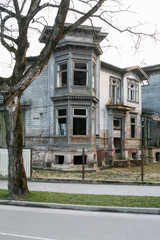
pixel 94 77
pixel 115 90
pixel 78 160
pixel 133 127
pixel 61 121
pixel 132 90
pixel 62 75
pixel 79 122
pixel 117 123
pixel 60 160
pixel 80 73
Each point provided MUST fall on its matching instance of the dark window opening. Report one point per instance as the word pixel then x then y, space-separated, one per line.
pixel 132 131
pixel 134 156
pixel 61 112
pixel 133 127
pixel 116 123
pixel 79 126
pixel 80 74
pixel 80 112
pixel 117 145
pixel 157 156
pixel 78 160
pixel 59 160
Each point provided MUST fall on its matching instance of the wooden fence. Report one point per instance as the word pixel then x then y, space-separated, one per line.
pixel 4 162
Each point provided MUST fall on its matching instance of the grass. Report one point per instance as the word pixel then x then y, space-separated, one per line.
pixel 92 200
pixel 151 171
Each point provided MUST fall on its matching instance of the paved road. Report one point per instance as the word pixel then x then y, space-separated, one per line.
pixel 98 189
pixel 18 223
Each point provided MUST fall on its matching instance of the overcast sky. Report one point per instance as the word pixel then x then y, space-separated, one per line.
pixel 122 53
pixel 148 52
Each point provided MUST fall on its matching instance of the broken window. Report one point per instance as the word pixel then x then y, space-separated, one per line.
pixel 133 127
pixel 115 90
pixel 79 122
pixel 132 90
pixel 80 73
pixel 62 121
pixel 62 75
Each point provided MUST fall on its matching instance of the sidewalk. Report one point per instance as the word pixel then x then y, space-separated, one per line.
pixel 83 188
pixel 97 189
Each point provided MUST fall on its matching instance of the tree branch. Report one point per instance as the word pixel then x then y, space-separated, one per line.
pixel 84 17
pixel 10 13
pixel 46 52
pixel 2 35
pixel 31 14
pixel 16 6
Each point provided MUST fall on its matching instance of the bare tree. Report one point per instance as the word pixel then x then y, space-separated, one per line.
pixel 16 18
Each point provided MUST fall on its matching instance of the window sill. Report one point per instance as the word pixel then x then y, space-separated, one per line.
pixel 61 87
pixel 132 101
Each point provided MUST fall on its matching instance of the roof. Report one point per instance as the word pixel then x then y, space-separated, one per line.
pixel 152 68
pixel 139 71
pixel 96 31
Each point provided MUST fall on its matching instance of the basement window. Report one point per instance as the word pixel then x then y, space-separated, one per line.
pixel 78 160
pixel 79 122
pixel 80 73
pixel 60 160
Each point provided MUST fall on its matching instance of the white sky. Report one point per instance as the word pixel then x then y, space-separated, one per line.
pixel 148 52
pixel 125 55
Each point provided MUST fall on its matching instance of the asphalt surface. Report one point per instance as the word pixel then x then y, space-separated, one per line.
pixel 20 223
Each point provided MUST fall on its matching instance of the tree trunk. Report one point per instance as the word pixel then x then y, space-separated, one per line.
pixel 17 181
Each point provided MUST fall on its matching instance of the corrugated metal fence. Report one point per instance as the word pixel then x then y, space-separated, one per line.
pixel 4 161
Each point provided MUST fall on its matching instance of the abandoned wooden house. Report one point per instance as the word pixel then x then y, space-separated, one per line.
pixel 79 102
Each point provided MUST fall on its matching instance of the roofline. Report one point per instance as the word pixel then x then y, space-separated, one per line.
pixel 140 69
pixel 47 29
pixel 125 70
pixel 152 68
pixel 112 67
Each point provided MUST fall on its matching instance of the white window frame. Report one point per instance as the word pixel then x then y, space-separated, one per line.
pixel 63 131
pixel 115 86
pixel 80 116
pixel 80 70
pixel 60 72
pixel 133 90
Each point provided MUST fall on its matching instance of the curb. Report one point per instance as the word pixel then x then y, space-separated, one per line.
pixel 155 211
pixel 86 181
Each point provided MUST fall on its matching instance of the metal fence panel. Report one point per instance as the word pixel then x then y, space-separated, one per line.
pixel 4 162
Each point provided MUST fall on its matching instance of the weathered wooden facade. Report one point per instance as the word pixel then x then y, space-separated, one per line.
pixel 151 114
pixel 80 102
